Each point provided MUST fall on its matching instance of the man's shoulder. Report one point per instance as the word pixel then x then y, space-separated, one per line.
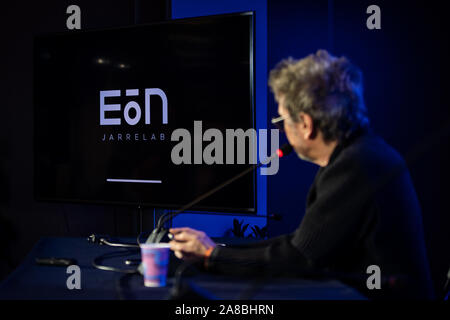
pixel 370 151
pixel 368 156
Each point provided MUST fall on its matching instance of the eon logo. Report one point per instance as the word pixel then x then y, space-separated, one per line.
pixel 130 105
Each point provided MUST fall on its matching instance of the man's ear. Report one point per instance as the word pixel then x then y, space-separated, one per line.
pixel 306 126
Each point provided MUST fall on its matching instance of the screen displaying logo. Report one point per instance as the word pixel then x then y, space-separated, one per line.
pixel 131 105
pixel 112 114
pixel 104 134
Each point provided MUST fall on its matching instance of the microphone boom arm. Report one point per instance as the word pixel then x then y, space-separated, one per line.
pixel 158 233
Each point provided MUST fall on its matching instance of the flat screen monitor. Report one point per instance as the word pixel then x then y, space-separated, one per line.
pixel 109 106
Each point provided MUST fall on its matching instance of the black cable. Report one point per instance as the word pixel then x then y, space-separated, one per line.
pixel 186 265
pixel 120 286
pixel 138 238
pixel 118 244
pixel 103 240
pixel 130 249
pixel 97 262
pixel 184 290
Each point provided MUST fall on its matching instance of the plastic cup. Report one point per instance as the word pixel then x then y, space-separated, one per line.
pixel 155 259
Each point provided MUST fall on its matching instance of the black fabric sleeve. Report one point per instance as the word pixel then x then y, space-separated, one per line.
pixel 269 257
pixel 329 228
pixel 334 222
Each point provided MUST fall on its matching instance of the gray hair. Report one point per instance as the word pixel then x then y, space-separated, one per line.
pixel 327 88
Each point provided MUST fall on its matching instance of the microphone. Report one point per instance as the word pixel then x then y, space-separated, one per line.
pixel 159 233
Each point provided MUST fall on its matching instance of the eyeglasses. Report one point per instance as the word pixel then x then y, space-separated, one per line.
pixel 278 122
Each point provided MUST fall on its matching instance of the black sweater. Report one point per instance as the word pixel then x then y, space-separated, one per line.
pixel 361 210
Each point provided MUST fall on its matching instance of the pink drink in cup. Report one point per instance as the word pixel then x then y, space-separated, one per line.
pixel 155 259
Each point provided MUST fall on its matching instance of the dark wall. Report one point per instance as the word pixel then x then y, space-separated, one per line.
pixel 294 30
pixel 22 220
pixel 405 66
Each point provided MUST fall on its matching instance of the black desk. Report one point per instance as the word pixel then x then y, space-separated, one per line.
pixel 31 281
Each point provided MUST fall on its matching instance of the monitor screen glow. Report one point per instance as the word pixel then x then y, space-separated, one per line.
pixel 107 103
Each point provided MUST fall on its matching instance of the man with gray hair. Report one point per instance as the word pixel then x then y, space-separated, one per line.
pixel 362 209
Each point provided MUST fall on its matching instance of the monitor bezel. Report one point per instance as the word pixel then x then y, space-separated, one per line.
pixel 144 204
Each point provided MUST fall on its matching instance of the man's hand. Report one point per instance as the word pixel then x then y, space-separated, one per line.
pixel 190 244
